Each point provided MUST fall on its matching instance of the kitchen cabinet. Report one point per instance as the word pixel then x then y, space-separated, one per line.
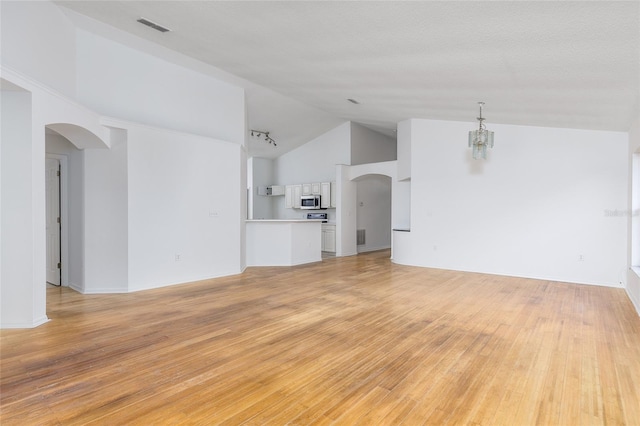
pixel 297 193
pixel 292 194
pixel 326 191
pixel 283 242
pixel 329 238
pixel 325 195
pixel 288 197
pixel 277 190
pixel 334 194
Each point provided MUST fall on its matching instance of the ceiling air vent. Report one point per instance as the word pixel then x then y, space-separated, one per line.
pixel 153 25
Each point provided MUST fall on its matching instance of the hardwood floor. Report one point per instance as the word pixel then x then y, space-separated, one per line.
pixel 353 341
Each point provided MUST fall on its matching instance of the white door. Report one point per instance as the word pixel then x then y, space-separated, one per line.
pixel 53 220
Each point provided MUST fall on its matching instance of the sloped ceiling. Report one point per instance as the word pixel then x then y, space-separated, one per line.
pixel 540 63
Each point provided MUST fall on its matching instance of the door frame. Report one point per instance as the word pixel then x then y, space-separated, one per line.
pixel 64 218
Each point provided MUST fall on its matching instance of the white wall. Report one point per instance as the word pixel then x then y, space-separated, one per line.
pixel 401 205
pixel 633 276
pixel 73 224
pixel 531 209
pixel 39 40
pixel 184 198
pixel 19 306
pixel 45 60
pixel 346 212
pixel 106 210
pixel 121 82
pixel 262 175
pixel 26 164
pixel 404 150
pixel 402 188
pixel 368 146
pixel 373 211
pixel 314 161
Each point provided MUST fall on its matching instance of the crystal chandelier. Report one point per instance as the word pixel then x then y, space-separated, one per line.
pixel 481 138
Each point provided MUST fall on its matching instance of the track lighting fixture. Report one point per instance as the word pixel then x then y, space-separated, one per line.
pixel 261 133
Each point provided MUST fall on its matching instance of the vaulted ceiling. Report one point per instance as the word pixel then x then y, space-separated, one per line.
pixel 539 63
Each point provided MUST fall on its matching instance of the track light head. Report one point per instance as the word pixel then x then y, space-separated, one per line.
pixel 263 134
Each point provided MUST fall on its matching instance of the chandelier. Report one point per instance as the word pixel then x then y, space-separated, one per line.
pixel 481 138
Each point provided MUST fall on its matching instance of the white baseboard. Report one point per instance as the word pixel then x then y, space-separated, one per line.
pixel 32 324
pixel 365 249
pixel 105 291
pixel 635 303
pixel 76 287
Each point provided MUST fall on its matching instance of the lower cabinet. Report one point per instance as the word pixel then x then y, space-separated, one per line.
pixel 329 238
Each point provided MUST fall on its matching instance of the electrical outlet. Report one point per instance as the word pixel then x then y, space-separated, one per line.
pixel 581 257
pixel 177 258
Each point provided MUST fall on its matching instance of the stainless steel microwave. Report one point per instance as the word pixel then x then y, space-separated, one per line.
pixel 310 202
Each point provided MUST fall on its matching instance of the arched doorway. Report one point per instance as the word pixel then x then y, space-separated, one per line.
pixel 373 212
pixel 66 143
pixel 60 149
pixel 367 176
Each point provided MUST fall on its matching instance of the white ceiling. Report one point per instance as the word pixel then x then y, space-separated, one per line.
pixel 540 63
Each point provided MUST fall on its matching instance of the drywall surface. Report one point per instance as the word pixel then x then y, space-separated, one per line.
pixel 633 248
pixel 537 207
pixel 118 81
pixel 184 203
pixel 38 40
pixel 314 161
pixel 368 146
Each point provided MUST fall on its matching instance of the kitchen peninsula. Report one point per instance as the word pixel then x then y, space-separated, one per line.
pixel 272 242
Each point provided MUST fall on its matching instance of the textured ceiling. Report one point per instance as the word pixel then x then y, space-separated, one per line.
pixel 540 63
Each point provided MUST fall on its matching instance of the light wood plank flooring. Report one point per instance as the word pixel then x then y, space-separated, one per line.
pixel 350 341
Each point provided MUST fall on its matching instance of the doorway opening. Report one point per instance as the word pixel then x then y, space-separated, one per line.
pixel 64 217
pixel 373 213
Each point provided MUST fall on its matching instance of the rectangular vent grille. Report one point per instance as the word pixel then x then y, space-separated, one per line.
pixel 360 237
pixel 153 25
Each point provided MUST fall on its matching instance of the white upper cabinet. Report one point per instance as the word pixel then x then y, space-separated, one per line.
pixel 292 194
pixel 325 195
pixel 288 197
pixel 297 193
pixel 326 190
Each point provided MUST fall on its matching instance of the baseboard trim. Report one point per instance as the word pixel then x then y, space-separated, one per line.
pixel 76 287
pixel 368 249
pixel 33 324
pixel 81 290
pixel 635 303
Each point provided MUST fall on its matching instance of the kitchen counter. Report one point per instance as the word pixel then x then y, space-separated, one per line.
pixel 283 242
